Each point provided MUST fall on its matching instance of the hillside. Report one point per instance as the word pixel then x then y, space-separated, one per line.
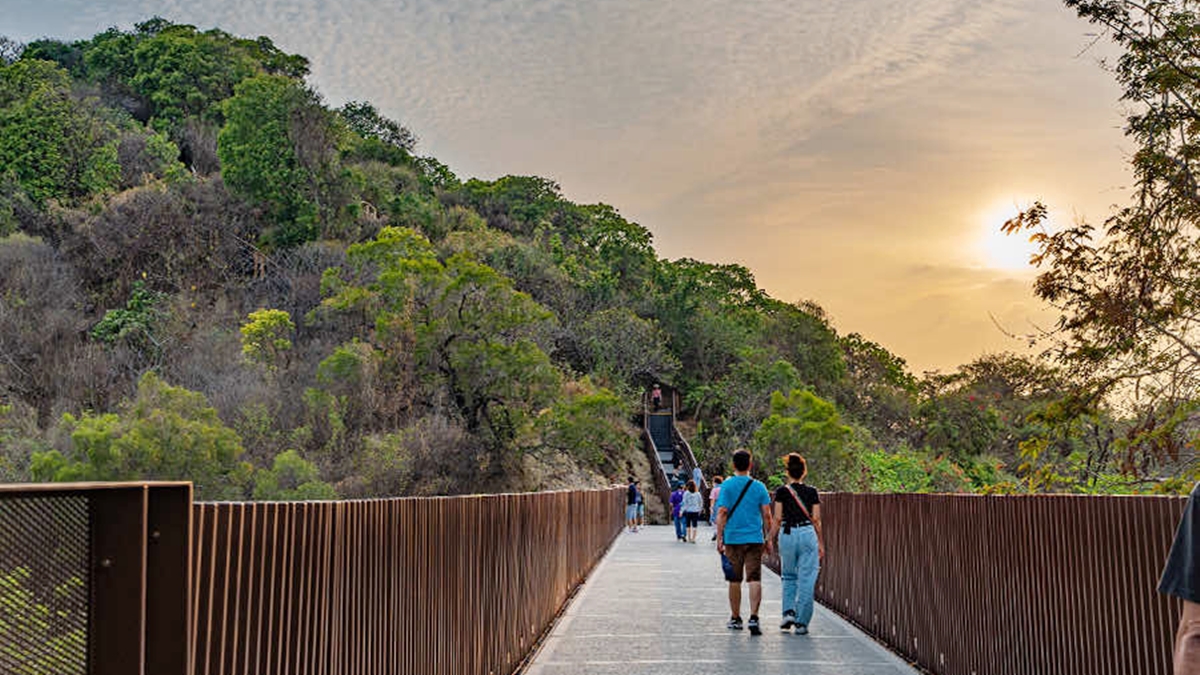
pixel 206 272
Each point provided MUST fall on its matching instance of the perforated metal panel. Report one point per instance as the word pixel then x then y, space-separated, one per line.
pixel 44 585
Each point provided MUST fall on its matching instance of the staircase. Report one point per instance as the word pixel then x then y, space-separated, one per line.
pixel 666 447
pixel 659 426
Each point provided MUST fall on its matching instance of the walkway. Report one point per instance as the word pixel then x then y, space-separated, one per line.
pixel 657 606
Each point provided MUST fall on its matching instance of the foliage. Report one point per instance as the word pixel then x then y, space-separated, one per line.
pixel 185 178
pixel 588 423
pixel 57 145
pixel 910 471
pixel 263 147
pixel 164 433
pixel 136 323
pixel 805 423
pixel 460 322
pixel 291 478
pixel 266 337
pixel 1126 290
pixel 363 119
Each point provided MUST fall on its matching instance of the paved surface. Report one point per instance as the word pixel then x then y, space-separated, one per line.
pixel 657 606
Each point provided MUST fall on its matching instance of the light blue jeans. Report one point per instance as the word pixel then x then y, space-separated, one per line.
pixel 680 530
pixel 799 564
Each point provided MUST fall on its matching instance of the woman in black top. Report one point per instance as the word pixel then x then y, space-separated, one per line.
pixel 801 547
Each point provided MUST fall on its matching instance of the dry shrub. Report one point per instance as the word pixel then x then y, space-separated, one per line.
pixel 433 456
pixel 192 235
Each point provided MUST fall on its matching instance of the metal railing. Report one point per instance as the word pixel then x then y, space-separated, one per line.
pixel 94 578
pixel 442 586
pixel 1013 585
pixel 135 579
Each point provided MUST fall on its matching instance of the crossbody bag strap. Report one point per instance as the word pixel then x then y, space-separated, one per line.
pixel 739 500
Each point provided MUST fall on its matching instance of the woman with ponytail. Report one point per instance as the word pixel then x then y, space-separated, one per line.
pixel 797 521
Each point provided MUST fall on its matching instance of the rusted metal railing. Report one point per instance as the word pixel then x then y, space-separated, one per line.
pixel 135 579
pixel 445 586
pixel 94 578
pixel 1020 585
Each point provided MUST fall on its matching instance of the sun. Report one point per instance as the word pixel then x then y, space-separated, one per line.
pixel 1000 251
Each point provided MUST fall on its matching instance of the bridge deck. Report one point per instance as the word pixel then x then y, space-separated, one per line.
pixel 658 606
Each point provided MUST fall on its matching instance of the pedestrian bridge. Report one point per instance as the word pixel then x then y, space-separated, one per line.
pixel 655 606
pixel 136 579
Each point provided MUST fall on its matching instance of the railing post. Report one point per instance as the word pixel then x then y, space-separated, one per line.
pixel 116 618
pixel 168 579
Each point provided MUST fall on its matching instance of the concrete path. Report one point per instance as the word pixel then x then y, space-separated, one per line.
pixel 656 606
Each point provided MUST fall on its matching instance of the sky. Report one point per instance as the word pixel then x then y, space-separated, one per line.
pixel 861 154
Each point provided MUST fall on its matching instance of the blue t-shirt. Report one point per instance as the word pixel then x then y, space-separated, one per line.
pixel 746 525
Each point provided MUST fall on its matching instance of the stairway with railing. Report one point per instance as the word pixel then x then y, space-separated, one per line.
pixel 666 447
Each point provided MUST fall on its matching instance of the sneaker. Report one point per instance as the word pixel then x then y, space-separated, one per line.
pixel 801 629
pixel 753 625
pixel 735 623
pixel 789 620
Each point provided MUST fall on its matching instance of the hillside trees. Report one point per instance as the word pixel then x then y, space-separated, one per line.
pixel 473 339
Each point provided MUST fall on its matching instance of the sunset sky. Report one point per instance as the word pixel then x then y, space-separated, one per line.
pixel 858 153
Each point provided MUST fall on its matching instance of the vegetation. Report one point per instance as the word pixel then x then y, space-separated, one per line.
pixel 207 273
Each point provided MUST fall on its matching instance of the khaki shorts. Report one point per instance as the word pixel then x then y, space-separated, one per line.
pixel 747 557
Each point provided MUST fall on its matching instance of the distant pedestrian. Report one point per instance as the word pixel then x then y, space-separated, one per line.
pixel 1181 579
pixel 641 505
pixel 801 546
pixel 693 504
pixel 680 474
pixel 632 496
pixel 712 501
pixel 698 479
pixel 656 398
pixel 676 513
pixel 743 521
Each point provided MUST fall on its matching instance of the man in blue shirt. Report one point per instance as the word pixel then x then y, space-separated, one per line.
pixel 743 520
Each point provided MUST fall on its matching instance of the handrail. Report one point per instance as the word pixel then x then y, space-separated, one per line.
pixel 137 578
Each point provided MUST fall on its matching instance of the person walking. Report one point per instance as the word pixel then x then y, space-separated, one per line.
pixel 641 505
pixel 801 546
pixel 693 504
pixel 1181 579
pixel 656 398
pixel 743 521
pixel 676 513
pixel 632 495
pixel 712 501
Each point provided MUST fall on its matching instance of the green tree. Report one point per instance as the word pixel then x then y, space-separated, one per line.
pixel 805 423
pixel 589 424
pixel 460 322
pixel 57 145
pixel 164 433
pixel 291 478
pixel 1127 289
pixel 266 337
pixel 276 148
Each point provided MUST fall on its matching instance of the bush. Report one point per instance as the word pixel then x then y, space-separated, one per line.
pixel 165 433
